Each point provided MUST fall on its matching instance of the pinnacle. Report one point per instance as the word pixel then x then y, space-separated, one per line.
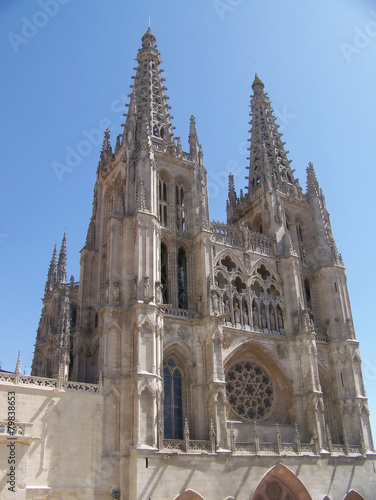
pixel 257 81
pixel 313 188
pixel 18 364
pixel 192 127
pixel 51 275
pixel 62 262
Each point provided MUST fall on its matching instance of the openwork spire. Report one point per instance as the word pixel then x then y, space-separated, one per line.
pixel 313 189
pixel 62 263
pixel 51 275
pixel 268 158
pixel 148 109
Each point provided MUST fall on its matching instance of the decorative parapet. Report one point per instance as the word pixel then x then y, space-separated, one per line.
pixel 49 383
pixel 243 238
pixel 259 447
pixel 180 313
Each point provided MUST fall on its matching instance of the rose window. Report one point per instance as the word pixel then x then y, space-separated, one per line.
pixel 250 390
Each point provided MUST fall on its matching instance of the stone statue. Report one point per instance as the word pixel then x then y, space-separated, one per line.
pixel 280 319
pixel 146 288
pixel 134 288
pixel 245 317
pixel 199 303
pixel 255 317
pixel 272 320
pixel 263 319
pixel 227 311
pixel 116 293
pixel 158 292
pixel 237 313
pixel 106 292
pixel 296 321
pixel 215 303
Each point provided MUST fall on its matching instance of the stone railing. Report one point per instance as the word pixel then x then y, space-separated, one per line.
pixel 180 313
pixel 16 430
pixel 286 442
pixel 49 383
pixel 247 240
pixel 186 446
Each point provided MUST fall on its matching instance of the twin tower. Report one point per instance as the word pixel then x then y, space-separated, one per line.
pixel 221 347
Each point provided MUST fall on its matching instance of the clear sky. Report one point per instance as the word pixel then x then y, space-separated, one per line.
pixel 66 71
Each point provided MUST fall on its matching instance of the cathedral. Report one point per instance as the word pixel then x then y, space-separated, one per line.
pixel 193 359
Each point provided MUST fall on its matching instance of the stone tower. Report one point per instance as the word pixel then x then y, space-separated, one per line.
pixel 219 346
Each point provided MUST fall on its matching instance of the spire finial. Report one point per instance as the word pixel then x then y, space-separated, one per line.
pixel 51 275
pixel 193 138
pixel 149 23
pixel 18 364
pixel 62 262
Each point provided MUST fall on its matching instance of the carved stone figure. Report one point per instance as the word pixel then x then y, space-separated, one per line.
pixel 296 321
pixel 227 311
pixel 146 288
pixel 245 317
pixel 199 304
pixel 134 288
pixel 116 293
pixel 158 292
pixel 255 317
pixel 237 313
pixel 272 320
pixel 264 321
pixel 280 319
pixel 215 302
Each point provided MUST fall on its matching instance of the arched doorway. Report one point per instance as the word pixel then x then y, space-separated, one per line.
pixel 353 495
pixel 280 483
pixel 189 495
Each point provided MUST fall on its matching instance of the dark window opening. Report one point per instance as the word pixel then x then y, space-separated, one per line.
pixel 173 401
pixel 163 202
pixel 180 208
pixel 182 280
pixel 164 268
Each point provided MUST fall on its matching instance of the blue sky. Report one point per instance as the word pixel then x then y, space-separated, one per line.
pixel 67 68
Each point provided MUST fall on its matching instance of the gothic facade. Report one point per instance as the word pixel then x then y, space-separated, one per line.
pixel 195 359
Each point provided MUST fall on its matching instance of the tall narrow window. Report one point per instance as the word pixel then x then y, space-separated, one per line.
pixel 163 202
pixel 164 268
pixel 173 401
pixel 180 208
pixel 302 251
pixel 182 280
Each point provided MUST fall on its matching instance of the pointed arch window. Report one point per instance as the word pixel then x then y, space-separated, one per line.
pixel 163 202
pixel 182 279
pixel 164 275
pixel 300 237
pixel 173 401
pixel 180 208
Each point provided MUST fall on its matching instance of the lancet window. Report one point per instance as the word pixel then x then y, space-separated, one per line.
pixel 265 298
pixel 182 279
pixel 163 202
pixel 164 273
pixel 180 208
pixel 253 304
pixel 173 400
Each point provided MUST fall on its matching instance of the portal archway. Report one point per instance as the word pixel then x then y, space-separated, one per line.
pixel 189 495
pixel 353 495
pixel 280 483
